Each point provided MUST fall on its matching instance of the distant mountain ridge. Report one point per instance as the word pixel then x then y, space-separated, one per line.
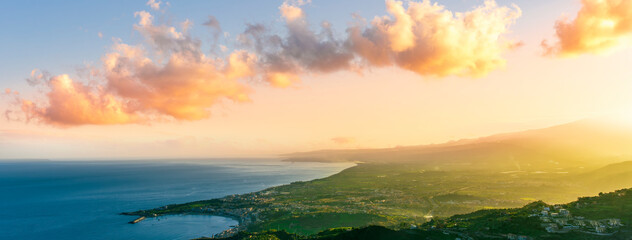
pixel 613 176
pixel 586 143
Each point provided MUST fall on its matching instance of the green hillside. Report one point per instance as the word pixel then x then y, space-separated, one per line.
pixel 608 212
pixel 404 186
pixel 387 195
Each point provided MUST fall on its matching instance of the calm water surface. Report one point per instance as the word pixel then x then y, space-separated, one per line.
pixel 81 200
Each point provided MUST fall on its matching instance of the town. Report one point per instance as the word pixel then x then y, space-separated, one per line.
pixel 556 219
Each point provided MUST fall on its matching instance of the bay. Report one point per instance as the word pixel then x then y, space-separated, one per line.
pixel 83 199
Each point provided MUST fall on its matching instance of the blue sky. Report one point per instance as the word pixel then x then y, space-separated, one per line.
pixel 59 36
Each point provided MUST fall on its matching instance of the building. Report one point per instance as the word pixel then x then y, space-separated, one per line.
pixel 551 227
pixel 614 222
pixel 561 221
pixel 512 236
pixel 564 212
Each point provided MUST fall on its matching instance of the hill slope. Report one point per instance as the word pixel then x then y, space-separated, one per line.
pixel 613 176
pixel 584 143
pixel 411 185
pixel 606 216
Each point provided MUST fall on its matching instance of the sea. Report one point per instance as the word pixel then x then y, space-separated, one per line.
pixel 84 199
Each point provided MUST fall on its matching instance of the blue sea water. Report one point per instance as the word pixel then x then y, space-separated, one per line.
pixel 83 199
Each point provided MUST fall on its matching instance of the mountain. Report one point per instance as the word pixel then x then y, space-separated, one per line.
pixel 613 176
pixel 581 144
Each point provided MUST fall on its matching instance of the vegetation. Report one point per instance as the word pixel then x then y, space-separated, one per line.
pixel 513 223
pixel 365 233
pixel 420 186
pixel 384 194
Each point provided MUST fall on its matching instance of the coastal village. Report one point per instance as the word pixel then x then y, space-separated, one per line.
pixel 556 219
pixel 538 218
pixel 255 208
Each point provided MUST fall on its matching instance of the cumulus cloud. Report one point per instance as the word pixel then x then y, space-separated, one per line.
pixel 600 26
pixel 431 41
pixel 178 82
pixel 422 37
pixel 183 88
pixel 72 103
pixel 169 76
pixel 282 58
pixel 290 12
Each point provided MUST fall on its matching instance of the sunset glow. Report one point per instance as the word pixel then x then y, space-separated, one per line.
pixel 169 81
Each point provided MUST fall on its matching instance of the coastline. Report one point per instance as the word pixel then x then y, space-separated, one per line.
pixel 225 233
pixel 89 195
pixel 241 216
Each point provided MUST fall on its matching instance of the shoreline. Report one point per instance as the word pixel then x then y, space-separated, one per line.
pixel 232 213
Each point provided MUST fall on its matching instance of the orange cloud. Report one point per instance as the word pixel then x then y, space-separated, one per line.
pixel 424 38
pixel 169 76
pixel 71 103
pixel 183 88
pixel 290 12
pixel 280 79
pixel 431 41
pixel 180 83
pixel 599 27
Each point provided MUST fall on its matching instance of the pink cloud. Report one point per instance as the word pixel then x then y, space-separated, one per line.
pixel 135 87
pixel 429 40
pixel 170 77
pixel 599 27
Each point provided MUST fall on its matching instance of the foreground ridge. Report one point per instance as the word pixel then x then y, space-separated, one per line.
pixel 606 216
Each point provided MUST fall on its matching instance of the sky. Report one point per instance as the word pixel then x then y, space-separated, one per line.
pixel 197 79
